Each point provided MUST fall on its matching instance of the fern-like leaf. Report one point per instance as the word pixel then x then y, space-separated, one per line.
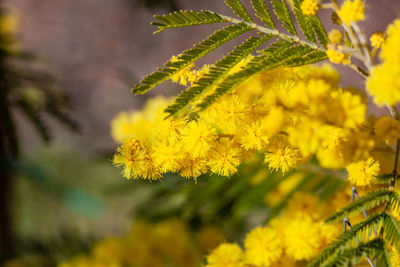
pixel 303 21
pixel 271 58
pixel 282 12
pixel 361 230
pixel 384 178
pixel 216 73
pixel 188 57
pixel 392 230
pixel 394 201
pixel 370 201
pixel 34 116
pixel 239 10
pixel 319 30
pixel 344 257
pixel 383 259
pixel 262 13
pixel 185 18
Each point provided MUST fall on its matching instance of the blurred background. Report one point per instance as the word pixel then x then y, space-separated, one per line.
pixel 67 67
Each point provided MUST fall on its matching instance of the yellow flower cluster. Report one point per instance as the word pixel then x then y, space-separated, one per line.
pixel 167 243
pixel 309 7
pixel 377 39
pixel 296 236
pixel 351 11
pixel 384 81
pixel 287 114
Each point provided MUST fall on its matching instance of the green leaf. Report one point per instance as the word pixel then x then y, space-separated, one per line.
pixel 185 18
pixel 312 57
pixel 216 73
pixel 319 30
pixel 360 230
pixel 282 12
pixel 384 178
pixel 270 58
pixel 394 201
pixel 188 57
pixel 34 116
pixel 303 21
pixel 239 10
pixel 370 201
pixel 384 259
pixel 391 230
pixel 262 13
pixel 344 257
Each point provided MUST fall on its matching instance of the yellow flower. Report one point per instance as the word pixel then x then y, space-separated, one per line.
pixel 192 167
pixel 335 36
pixel 363 173
pixel 351 11
pixel 384 84
pixel 130 156
pixel 395 257
pixel 225 157
pixel 309 7
pixel 226 255
pixel 182 76
pixel 337 57
pixel 377 39
pixel 301 238
pixel 387 129
pixel 262 247
pixel 281 156
pixel 351 110
pixel 198 137
pixel 167 155
pixel 391 48
pixel 254 136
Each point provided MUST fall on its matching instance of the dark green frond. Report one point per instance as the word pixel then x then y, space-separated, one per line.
pixel 384 259
pixel 345 256
pixel 270 58
pixel 392 230
pixel 319 30
pixel 360 230
pixel 282 12
pixel 312 57
pixel 262 13
pixel 384 178
pixel 216 73
pixel 34 116
pixel 239 10
pixel 372 200
pixel 394 201
pixel 185 18
pixel 303 21
pixel 188 57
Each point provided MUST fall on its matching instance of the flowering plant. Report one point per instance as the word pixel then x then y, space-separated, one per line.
pixel 264 99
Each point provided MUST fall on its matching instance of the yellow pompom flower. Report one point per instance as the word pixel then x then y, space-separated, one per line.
pixel 198 137
pixel 377 39
pixel 384 84
pixel 254 136
pixel 226 255
pixel 351 11
pixel 167 155
pixel 335 36
pixel 363 173
pixel 192 167
pixel 182 76
pixel 395 256
pixel 391 48
pixel 387 129
pixel 130 156
pixel 351 110
pixel 337 57
pixel 309 7
pixel 262 247
pixel 302 238
pixel 281 156
pixel 225 157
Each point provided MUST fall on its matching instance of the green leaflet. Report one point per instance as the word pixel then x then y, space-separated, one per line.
pixel 188 57
pixel 319 30
pixel 360 230
pixel 370 201
pixel 262 13
pixel 216 73
pixel 303 21
pixel 282 12
pixel 274 58
pixel 185 18
pixel 239 10
pixel 392 230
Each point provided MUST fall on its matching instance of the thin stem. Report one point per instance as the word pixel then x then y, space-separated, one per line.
pixel 274 32
pixel 361 71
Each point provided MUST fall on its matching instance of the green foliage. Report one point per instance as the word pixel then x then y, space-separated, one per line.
pixel 239 10
pixel 360 232
pixel 391 230
pixel 287 50
pixel 216 73
pixel 370 201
